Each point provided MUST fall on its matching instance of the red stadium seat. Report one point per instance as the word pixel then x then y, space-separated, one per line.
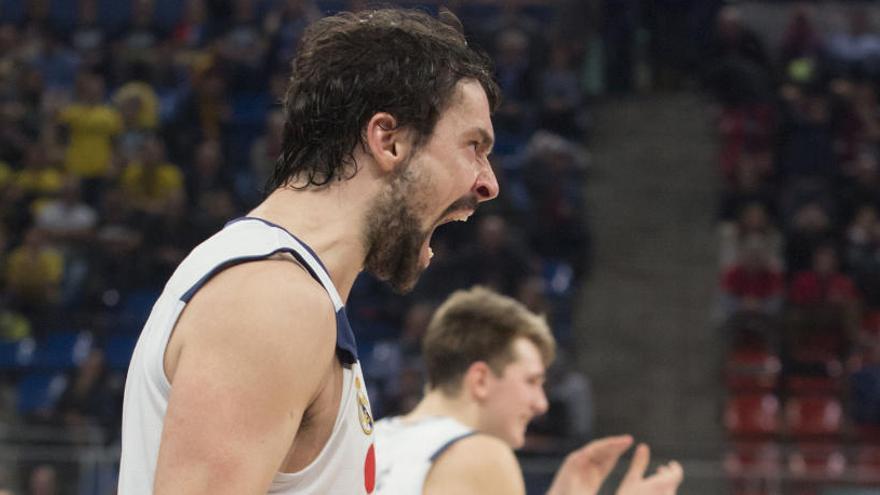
pixel 824 377
pixel 871 325
pixel 868 433
pixel 749 369
pixel 753 459
pixel 816 462
pixel 750 465
pixel 806 384
pixel 866 464
pixel 813 416
pixel 752 415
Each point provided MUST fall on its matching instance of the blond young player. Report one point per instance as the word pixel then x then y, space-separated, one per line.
pixel 485 357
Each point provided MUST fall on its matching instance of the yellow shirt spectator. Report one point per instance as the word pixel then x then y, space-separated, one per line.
pixel 42 182
pixel 92 128
pixel 6 174
pixel 33 272
pixel 151 184
pixel 148 117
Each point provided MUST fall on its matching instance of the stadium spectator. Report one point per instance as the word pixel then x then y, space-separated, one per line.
pixel 748 186
pixel 824 283
pixel 753 221
pixel 67 220
pixel 91 126
pixel 802 42
pixel 517 78
pixel 192 29
pixel 92 396
pixel 138 106
pixel 737 66
pixel 284 26
pixel 807 139
pixel 553 172
pixel 13 327
pixel 863 254
pixel 56 63
pixel 865 389
pixel 495 260
pixel 863 188
pixel 753 284
pixel 856 126
pixel 811 226
pixel 89 39
pixel 203 112
pixel 39 178
pixel 560 93
pixel 208 174
pixel 33 274
pixel 857 48
pixel 119 236
pixel 266 149
pixel 825 305
pixel 43 480
pixel 136 45
pixel 152 184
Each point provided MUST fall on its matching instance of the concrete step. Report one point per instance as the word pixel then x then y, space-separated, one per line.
pixel 645 331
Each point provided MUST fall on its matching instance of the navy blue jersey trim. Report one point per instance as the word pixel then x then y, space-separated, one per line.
pixel 346 346
pixel 274 225
pixel 448 444
pixel 188 295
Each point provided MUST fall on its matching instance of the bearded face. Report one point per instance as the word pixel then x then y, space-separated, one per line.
pixel 394 234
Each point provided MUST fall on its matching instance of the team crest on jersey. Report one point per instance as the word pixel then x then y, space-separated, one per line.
pixel 363 408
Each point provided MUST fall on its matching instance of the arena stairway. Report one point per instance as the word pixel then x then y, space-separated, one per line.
pixel 644 324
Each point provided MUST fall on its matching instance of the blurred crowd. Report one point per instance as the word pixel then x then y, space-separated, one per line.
pixel 130 131
pixel 799 235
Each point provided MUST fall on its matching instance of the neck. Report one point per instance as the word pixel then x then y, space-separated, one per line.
pixel 459 408
pixel 329 220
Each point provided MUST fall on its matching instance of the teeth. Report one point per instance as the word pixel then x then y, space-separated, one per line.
pixel 430 252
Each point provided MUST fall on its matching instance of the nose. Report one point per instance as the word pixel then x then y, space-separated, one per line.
pixel 486 185
pixel 541 405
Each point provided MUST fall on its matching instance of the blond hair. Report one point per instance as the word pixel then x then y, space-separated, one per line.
pixel 479 325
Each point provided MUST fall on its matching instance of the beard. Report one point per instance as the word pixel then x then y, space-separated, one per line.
pixel 394 235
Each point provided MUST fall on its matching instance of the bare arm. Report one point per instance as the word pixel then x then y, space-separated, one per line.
pixel 476 465
pixel 251 351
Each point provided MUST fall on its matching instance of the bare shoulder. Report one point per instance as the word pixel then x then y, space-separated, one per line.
pixel 270 308
pixel 249 354
pixel 476 464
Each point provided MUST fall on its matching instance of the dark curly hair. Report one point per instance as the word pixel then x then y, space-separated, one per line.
pixel 351 66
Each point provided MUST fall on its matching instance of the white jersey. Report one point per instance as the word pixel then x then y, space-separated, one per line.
pixel 409 449
pixel 345 465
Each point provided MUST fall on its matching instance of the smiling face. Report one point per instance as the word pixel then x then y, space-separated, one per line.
pixel 444 180
pixel 516 396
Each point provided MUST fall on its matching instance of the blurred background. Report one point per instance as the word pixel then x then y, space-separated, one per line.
pixel 690 192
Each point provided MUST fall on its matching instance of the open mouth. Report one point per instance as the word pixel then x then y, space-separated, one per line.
pixel 458 215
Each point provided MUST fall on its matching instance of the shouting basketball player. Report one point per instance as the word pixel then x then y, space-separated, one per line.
pixel 485 357
pixel 245 379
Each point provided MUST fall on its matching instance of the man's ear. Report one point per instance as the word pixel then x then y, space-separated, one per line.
pixel 388 143
pixel 477 380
